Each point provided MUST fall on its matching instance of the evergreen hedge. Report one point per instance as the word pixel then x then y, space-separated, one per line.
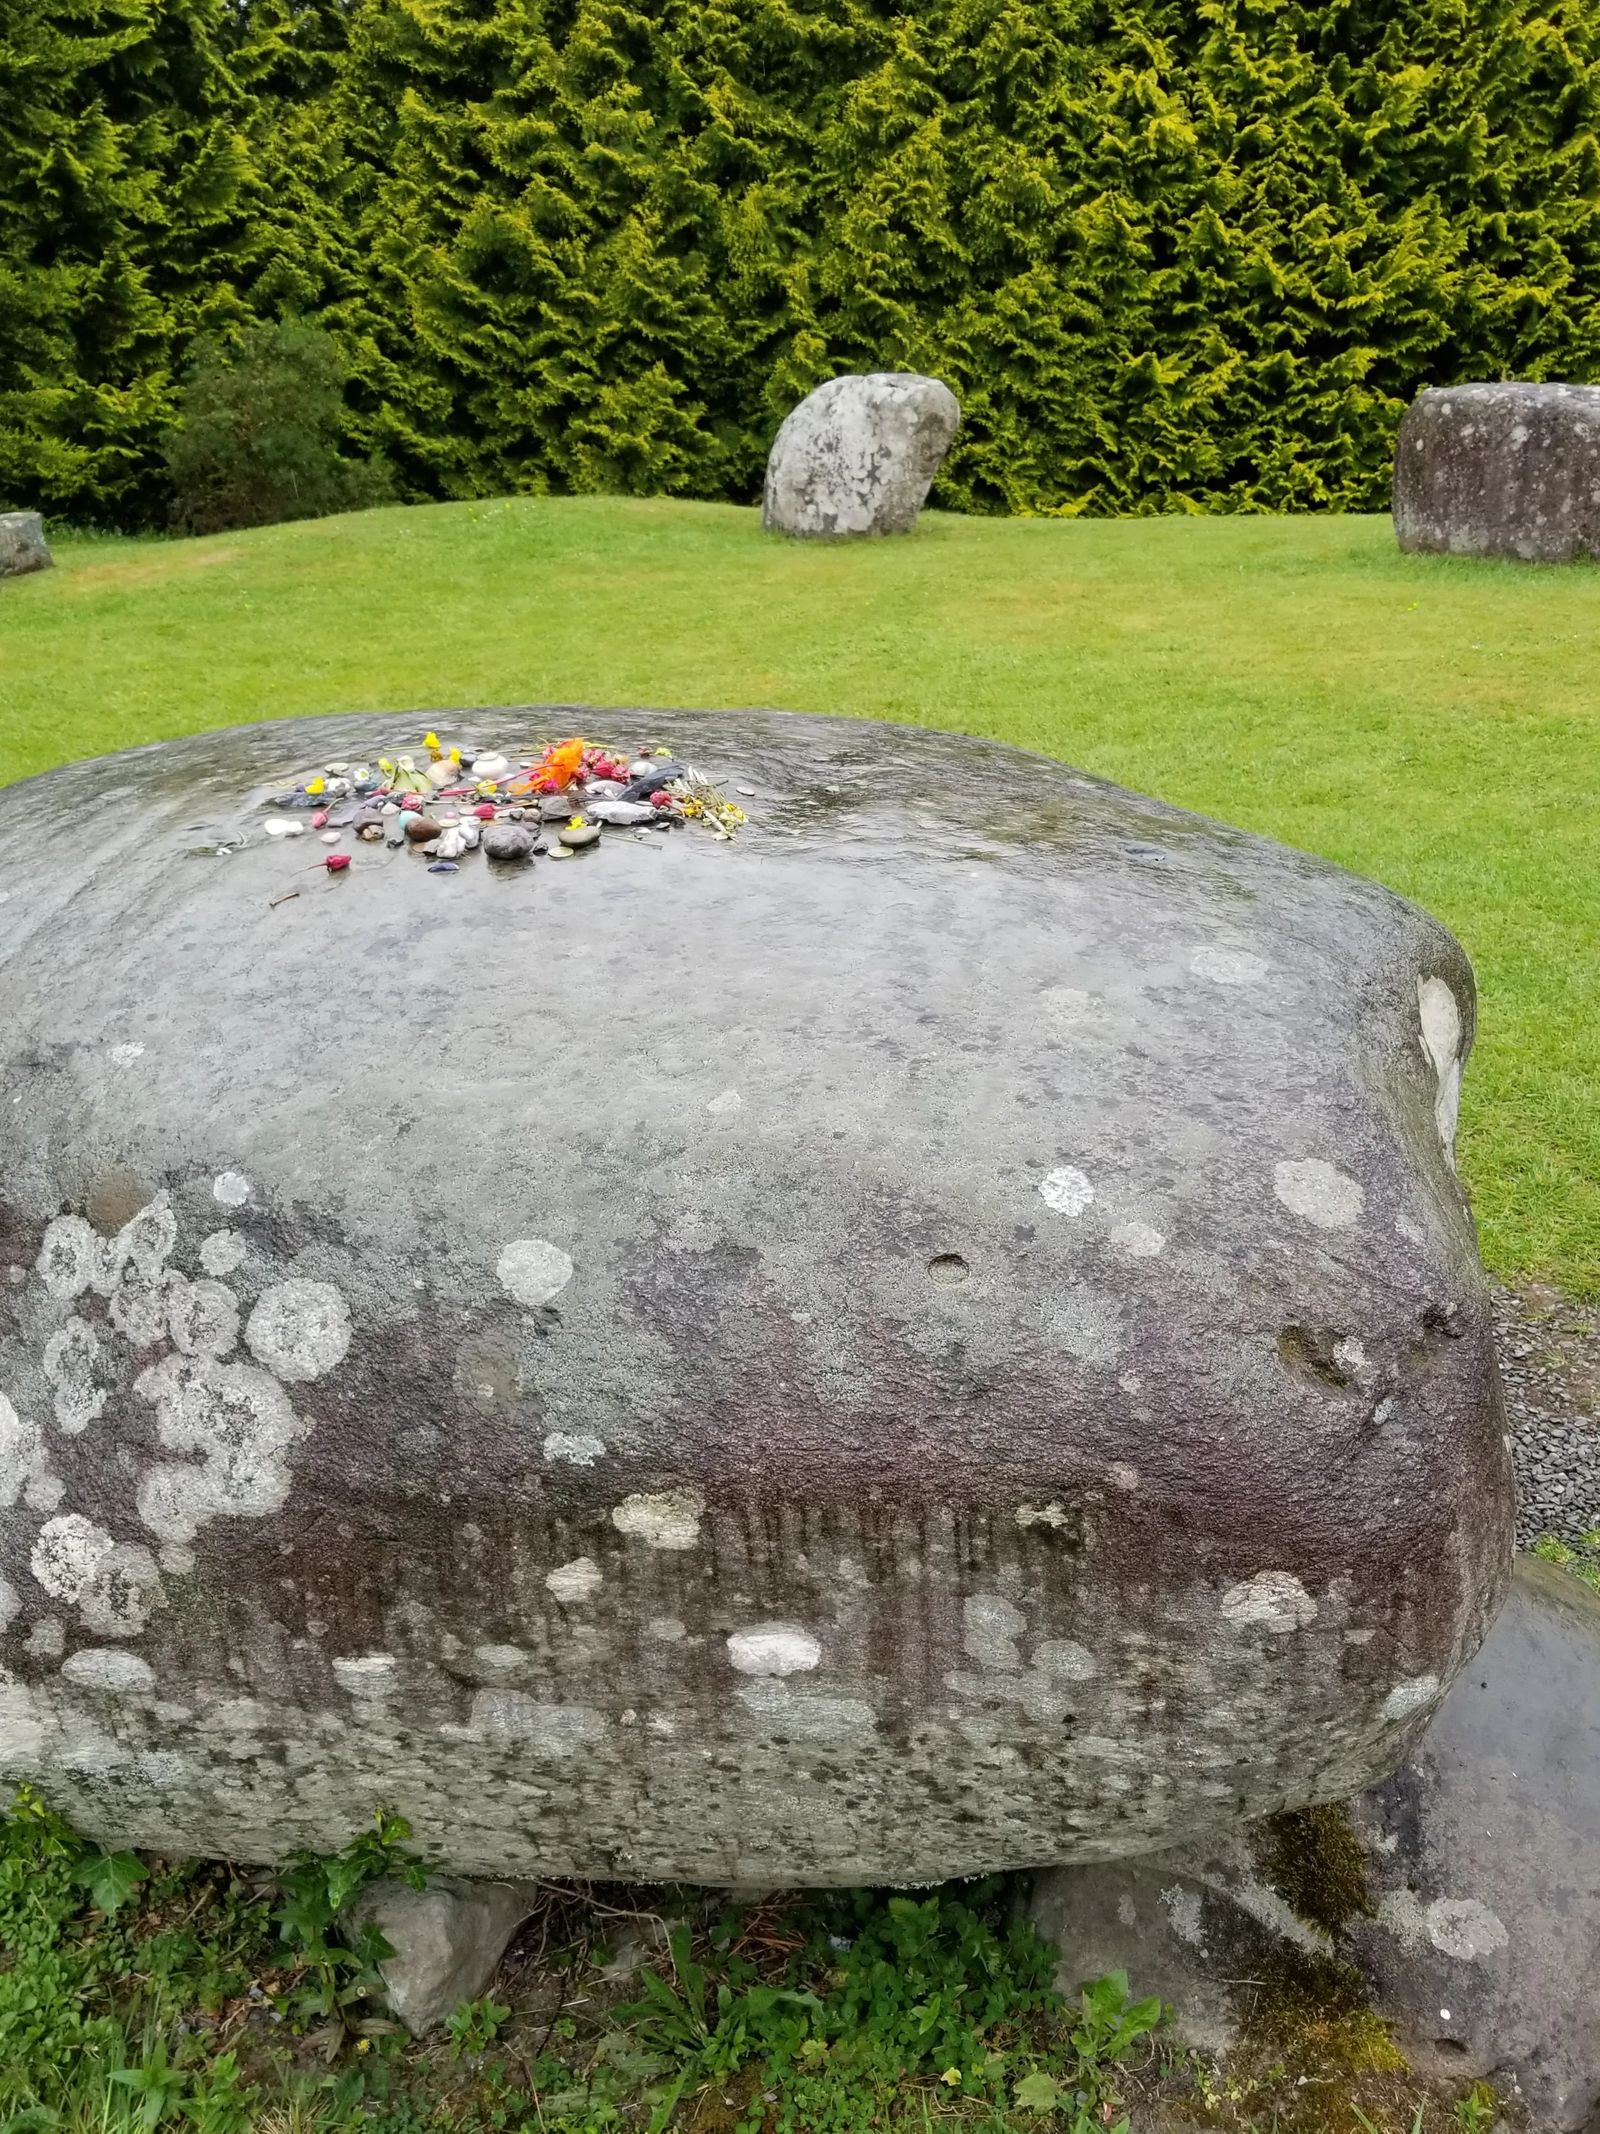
pixel 1170 254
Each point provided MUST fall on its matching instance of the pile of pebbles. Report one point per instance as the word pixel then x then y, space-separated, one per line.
pixel 554 803
pixel 1550 1365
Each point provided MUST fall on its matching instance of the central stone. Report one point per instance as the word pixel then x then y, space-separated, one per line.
pixel 938 1334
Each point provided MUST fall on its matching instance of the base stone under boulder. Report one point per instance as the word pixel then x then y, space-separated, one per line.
pixel 446 1941
pixel 1462 1894
pixel 939 1334
pixel 1501 470
pixel 23 547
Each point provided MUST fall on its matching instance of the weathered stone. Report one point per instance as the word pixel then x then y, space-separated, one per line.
pixel 23 547
pixel 1464 1889
pixel 1501 470
pixel 448 1940
pixel 576 836
pixel 422 829
pixel 858 456
pixel 507 841
pixel 975 1359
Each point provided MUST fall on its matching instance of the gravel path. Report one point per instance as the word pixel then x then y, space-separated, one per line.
pixel 1550 1361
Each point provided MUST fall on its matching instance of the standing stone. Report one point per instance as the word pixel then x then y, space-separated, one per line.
pixel 857 456
pixel 917 1341
pixel 447 1941
pixel 1501 470
pixel 23 546
pixel 1465 1888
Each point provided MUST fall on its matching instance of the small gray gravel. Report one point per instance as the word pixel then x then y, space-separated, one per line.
pixel 1550 1363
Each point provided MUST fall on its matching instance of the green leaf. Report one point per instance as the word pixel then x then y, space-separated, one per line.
pixel 1038 2092
pixel 110 1878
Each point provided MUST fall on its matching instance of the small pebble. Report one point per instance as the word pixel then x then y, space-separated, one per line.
pixel 469 833
pixel 372 833
pixel 577 837
pixel 559 852
pixel 394 828
pixel 623 811
pixel 451 845
pixel 444 867
pixel 284 829
pixel 330 837
pixel 422 829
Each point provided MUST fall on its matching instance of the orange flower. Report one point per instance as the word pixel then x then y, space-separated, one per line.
pixel 558 766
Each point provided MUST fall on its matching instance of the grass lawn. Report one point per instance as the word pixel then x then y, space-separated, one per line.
pixel 1431 722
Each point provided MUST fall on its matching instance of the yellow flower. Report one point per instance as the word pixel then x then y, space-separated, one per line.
pixel 316 785
pixel 431 743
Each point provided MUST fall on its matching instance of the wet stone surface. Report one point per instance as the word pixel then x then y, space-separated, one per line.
pixel 934 1332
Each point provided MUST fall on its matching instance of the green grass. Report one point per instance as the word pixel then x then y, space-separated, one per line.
pixel 1428 721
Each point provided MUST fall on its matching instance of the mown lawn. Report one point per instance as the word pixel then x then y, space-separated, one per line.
pixel 1432 722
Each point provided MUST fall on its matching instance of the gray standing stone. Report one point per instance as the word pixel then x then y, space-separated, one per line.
pixel 23 546
pixel 1501 470
pixel 917 1341
pixel 858 455
pixel 448 1940
pixel 1478 1872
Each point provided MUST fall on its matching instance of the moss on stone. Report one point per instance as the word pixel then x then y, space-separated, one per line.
pixel 1313 1859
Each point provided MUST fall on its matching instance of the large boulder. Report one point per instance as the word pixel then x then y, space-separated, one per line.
pixel 1501 470
pixel 1462 1893
pixel 938 1334
pixel 858 455
pixel 23 546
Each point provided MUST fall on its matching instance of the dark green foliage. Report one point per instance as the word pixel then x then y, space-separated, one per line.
pixel 257 434
pixel 1171 254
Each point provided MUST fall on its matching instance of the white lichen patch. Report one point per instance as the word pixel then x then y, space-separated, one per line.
pixel 990 1627
pixel 70 1257
pixel 1350 1357
pixel 666 1519
pixel 123 1594
pixel 1185 1914
pixel 202 1318
pixel 1121 1476
pixel 21 1452
pixel 72 1359
pixel 1439 1014
pixel 803 1716
pixel 1065 1660
pixel 774 1649
pixel 729 1101
pixel 121 1673
pixel 532 1271
pixel 139 1252
pixel 1410 1697
pixel 573 1582
pixel 231 1190
pixel 1323 1195
pixel 1137 1241
pixel 232 1427
pixel 1053 1514
pixel 222 1253
pixel 125 1054
pixel 576 1448
pixel 67 1554
pixel 1459 1927
pixel 1272 1600
pixel 1066 1189
pixel 299 1330
pixel 553 1730
pixel 1227 966
pixel 367 1674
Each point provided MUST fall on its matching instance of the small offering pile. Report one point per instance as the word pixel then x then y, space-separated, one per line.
pixel 458 800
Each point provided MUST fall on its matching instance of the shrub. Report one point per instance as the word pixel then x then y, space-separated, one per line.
pixel 258 433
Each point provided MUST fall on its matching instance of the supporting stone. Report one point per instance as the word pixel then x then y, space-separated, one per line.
pixel 448 1940
pixel 23 547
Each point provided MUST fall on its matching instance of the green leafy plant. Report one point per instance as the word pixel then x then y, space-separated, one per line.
pixel 339 1960
pixel 257 435
pixel 474 2026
